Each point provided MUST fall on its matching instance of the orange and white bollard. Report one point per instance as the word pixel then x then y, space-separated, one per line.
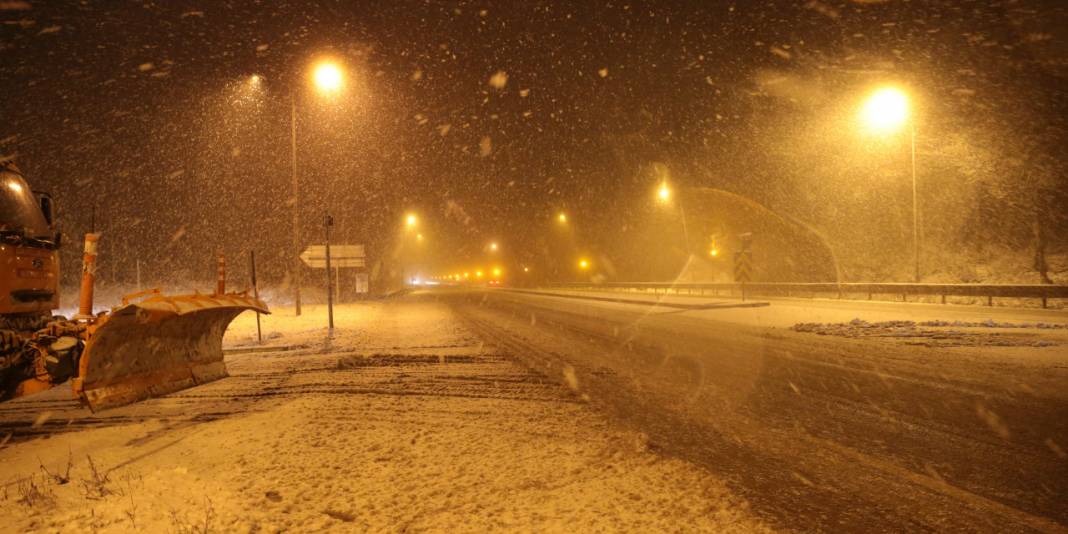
pixel 85 297
pixel 220 289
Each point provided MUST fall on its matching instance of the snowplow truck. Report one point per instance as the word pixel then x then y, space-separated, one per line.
pixel 150 345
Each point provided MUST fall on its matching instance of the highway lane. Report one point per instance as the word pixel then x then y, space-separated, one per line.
pixel 819 433
pixel 787 311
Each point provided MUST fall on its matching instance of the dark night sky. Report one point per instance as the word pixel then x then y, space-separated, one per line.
pixel 132 107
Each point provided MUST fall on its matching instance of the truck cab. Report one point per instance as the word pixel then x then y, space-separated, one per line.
pixel 29 244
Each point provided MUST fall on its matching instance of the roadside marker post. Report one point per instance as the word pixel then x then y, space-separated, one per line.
pixel 220 272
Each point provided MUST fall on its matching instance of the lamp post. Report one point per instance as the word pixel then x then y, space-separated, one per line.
pixel 328 79
pixel 296 204
pixel 663 195
pixel 887 109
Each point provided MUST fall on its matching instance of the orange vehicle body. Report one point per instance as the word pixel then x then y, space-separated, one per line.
pixel 33 288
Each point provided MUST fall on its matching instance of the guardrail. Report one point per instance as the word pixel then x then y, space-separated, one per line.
pixel 843 290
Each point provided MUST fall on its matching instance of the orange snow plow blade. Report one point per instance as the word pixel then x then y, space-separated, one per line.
pixel 157 346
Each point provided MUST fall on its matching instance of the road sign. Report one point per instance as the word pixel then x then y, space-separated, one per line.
pixel 341 256
pixel 743 266
pixel 362 282
pixel 743 259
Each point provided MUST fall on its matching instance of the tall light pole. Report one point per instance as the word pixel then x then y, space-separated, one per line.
pixel 296 203
pixel 887 109
pixel 328 78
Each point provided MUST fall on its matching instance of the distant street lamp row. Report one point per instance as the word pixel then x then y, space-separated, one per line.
pixel 886 110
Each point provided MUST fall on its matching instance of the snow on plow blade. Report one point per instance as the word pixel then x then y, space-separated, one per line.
pixel 157 346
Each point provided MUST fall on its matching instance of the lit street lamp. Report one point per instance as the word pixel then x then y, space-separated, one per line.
pixel 887 110
pixel 663 196
pixel 327 79
pixel 664 192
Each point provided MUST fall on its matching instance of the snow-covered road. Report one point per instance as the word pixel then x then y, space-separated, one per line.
pixel 930 428
pixel 405 421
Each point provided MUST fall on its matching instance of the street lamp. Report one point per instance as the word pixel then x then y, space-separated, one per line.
pixel 327 76
pixel 493 246
pixel 327 79
pixel 584 264
pixel 887 110
pixel 562 218
pixel 663 193
pixel 663 196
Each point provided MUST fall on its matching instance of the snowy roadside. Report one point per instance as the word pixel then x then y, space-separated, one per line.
pixel 405 421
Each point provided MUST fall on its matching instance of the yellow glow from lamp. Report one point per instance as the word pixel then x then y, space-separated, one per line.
pixel 663 194
pixel 886 109
pixel 327 76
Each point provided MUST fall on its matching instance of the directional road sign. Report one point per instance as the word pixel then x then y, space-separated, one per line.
pixel 743 266
pixel 743 259
pixel 341 256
